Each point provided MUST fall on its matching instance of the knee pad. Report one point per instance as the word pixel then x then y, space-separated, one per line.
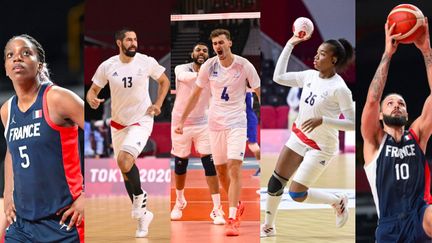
pixel 295 195
pixel 208 165
pixel 180 165
pixel 276 185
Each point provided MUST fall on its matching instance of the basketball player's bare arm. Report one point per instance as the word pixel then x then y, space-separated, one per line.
pixel 163 88
pixel 423 124
pixel 371 129
pixel 92 98
pixel 9 206
pixel 65 107
pixel 193 100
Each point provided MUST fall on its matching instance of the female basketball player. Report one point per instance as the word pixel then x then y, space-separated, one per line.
pixel 42 166
pixel 314 138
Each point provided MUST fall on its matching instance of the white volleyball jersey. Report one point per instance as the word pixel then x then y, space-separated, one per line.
pixel 185 82
pixel 129 85
pixel 322 97
pixel 228 90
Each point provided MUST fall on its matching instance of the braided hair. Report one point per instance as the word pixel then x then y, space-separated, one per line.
pixel 43 73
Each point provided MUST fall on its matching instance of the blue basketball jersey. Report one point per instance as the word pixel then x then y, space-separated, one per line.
pixel 397 176
pixel 45 159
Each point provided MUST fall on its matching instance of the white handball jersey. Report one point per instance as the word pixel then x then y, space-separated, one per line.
pixel 322 97
pixel 129 85
pixel 228 89
pixel 185 81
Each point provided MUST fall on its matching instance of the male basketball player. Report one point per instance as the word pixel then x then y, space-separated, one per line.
pixel 132 112
pixel 395 163
pixel 195 130
pixel 227 76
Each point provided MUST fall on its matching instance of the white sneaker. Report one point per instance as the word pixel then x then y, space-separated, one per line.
pixel 143 224
pixel 176 212
pixel 217 215
pixel 267 230
pixel 139 205
pixel 341 210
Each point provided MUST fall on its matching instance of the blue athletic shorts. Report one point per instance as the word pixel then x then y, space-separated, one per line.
pixel 43 230
pixel 405 227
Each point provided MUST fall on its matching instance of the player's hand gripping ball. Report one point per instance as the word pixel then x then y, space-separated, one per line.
pixel 409 21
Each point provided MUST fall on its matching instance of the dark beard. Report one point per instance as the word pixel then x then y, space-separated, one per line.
pixel 195 60
pixel 127 52
pixel 130 53
pixel 395 121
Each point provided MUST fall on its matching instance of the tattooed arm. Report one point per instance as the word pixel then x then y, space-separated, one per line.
pixel 371 129
pixel 423 124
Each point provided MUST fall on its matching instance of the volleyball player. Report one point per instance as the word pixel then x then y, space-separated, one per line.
pixel 195 130
pixel 227 75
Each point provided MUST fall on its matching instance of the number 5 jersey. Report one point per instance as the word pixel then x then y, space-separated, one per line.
pixel 45 159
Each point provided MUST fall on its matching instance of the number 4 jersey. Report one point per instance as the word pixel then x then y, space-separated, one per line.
pixel 228 89
pixel 45 159
pixel 398 176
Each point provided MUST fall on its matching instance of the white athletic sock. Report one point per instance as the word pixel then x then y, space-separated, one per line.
pixel 180 195
pixel 319 196
pixel 271 209
pixel 216 200
pixel 232 212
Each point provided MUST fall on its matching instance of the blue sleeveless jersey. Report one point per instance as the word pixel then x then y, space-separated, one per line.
pixel 399 176
pixel 45 159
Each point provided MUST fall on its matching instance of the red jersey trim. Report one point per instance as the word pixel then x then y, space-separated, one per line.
pixel 47 117
pixel 427 191
pixel 70 152
pixel 304 138
pixel 80 230
pixel 414 135
pixel 119 126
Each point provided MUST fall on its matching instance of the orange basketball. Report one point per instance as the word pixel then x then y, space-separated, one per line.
pixel 409 22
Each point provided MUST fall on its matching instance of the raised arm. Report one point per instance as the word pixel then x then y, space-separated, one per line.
pixel 371 129
pixel 280 74
pixel 423 124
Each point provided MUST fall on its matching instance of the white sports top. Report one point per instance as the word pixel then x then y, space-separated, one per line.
pixel 228 89
pixel 129 85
